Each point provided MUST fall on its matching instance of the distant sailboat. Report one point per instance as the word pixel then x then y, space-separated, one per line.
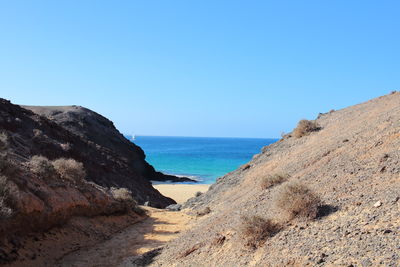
pixel 130 137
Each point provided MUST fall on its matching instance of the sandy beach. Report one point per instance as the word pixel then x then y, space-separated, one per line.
pixel 181 192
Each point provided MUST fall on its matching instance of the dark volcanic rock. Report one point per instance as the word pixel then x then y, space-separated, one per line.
pixel 83 135
pixel 95 128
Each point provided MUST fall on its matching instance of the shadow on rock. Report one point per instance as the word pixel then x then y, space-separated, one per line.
pixel 325 210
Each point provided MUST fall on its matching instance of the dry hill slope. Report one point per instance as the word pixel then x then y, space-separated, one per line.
pixel 352 164
pixel 63 180
pixel 100 131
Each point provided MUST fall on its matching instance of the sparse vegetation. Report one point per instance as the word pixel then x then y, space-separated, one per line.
pixel 297 200
pixel 42 167
pixel 66 146
pixel 8 193
pixel 305 127
pixel 124 196
pixel 121 194
pixel 255 230
pixel 3 141
pixel 198 194
pixel 70 169
pixel 203 211
pixel 275 179
pixel 6 166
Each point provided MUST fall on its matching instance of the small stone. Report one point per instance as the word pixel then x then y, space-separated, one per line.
pixel 366 262
pixel 378 204
pixel 174 207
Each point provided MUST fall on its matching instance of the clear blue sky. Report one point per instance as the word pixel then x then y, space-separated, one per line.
pixel 200 68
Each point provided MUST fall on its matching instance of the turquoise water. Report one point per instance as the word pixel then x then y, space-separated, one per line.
pixel 202 158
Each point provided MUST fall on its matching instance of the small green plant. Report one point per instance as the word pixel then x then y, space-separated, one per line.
pixel 305 127
pixel 255 230
pixel 297 200
pixel 70 169
pixel 275 179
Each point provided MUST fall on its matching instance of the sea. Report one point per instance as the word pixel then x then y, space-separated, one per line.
pixel 201 158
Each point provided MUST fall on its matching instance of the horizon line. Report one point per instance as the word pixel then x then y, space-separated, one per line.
pixel 182 136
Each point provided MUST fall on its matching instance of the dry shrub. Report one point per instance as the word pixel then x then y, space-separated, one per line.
pixel 65 146
pixel 3 141
pixel 275 179
pixel 124 196
pixel 297 200
pixel 198 194
pixel 121 194
pixel 7 167
pixel 70 169
pixel 255 230
pixel 203 212
pixel 305 127
pixel 42 167
pixel 8 195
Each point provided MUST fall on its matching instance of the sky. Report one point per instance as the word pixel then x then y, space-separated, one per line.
pixel 200 68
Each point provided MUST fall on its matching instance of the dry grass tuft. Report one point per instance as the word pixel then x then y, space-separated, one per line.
pixel 7 167
pixel 255 230
pixel 124 196
pixel 121 194
pixel 297 200
pixel 42 167
pixel 305 127
pixel 70 169
pixel 203 212
pixel 275 179
pixel 3 141
pixel 8 194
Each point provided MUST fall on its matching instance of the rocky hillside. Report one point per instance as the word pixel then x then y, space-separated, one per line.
pixel 325 195
pixel 81 134
pixel 69 167
pixel 97 130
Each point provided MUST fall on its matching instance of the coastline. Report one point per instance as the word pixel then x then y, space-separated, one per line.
pixel 181 192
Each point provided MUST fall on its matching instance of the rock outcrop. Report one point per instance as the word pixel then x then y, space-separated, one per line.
pixel 352 163
pixel 97 130
pixel 63 165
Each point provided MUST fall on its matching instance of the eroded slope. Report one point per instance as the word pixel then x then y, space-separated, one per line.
pixel 352 163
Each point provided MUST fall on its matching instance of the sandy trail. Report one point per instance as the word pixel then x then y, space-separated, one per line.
pixel 181 192
pixel 160 227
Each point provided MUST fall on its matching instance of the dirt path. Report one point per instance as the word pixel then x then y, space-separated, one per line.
pixel 160 227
